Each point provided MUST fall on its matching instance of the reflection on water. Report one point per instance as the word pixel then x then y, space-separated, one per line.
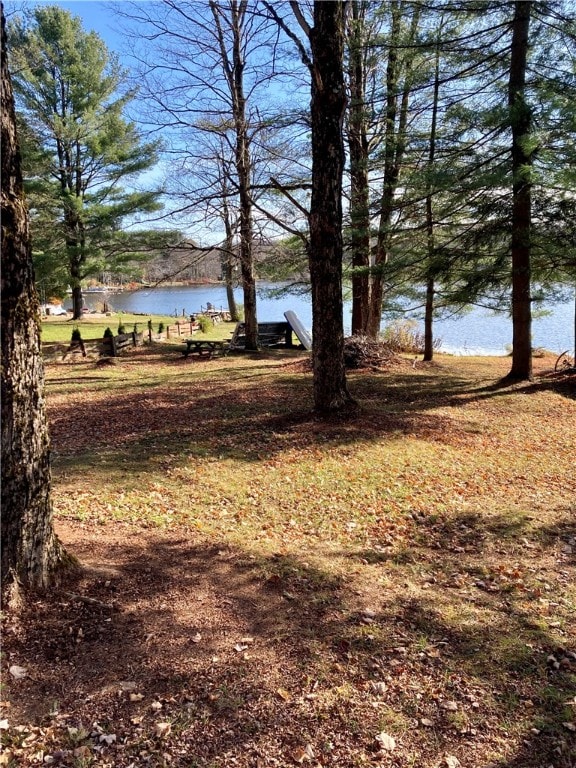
pixel 477 332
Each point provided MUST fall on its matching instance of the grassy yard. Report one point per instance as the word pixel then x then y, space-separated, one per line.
pixel 264 588
pixel 58 330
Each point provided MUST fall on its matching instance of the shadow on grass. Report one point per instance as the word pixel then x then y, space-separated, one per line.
pixel 561 384
pixel 241 412
pixel 231 407
pixel 251 657
pixel 247 416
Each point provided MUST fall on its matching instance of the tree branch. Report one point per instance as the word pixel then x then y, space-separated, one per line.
pixel 295 39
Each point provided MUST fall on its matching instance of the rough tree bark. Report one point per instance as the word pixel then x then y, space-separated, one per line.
pixel 326 246
pixel 397 104
pixel 229 259
pixel 430 282
pixel 30 550
pixel 358 149
pixel 522 154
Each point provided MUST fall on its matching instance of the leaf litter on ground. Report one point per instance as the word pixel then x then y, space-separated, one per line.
pixel 353 554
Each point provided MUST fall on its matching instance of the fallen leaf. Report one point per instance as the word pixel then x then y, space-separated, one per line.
pixel 379 687
pixel 18 672
pixel 4 725
pixel 196 638
pixel 450 706
pixel 284 694
pixel 156 706
pixel 136 696
pixel 386 741
pixel 427 723
pixel 107 738
pixel 451 761
pixel 137 720
pixel 162 729
pixel 570 726
pixel 302 754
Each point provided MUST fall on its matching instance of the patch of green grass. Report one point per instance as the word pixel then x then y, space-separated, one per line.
pixel 393 721
pixel 60 331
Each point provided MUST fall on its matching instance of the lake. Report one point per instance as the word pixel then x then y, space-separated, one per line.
pixel 478 332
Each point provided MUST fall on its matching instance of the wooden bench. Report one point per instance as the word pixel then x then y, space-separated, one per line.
pixel 274 334
pixel 205 347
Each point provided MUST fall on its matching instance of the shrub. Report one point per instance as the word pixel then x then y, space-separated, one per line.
pixel 404 336
pixel 108 333
pixel 204 322
pixel 160 327
pixel 76 335
pixel 121 329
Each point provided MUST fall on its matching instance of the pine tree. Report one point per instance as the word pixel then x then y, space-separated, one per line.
pixel 67 88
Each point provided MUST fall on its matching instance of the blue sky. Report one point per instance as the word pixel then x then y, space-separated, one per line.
pixel 99 16
pixel 96 17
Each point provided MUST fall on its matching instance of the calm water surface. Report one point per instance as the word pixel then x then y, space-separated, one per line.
pixel 477 332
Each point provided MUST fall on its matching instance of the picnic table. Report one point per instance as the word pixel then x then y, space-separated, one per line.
pixel 204 347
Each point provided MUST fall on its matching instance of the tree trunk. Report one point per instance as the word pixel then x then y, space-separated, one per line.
pixel 229 258
pixel 429 310
pixel 230 298
pixel 228 269
pixel 74 248
pixel 326 248
pixel 429 321
pixel 359 188
pixel 77 302
pixel 522 156
pixel 394 149
pixel 244 171
pixel 30 550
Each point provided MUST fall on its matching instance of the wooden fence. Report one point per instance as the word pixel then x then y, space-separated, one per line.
pixel 182 329
pixel 113 345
